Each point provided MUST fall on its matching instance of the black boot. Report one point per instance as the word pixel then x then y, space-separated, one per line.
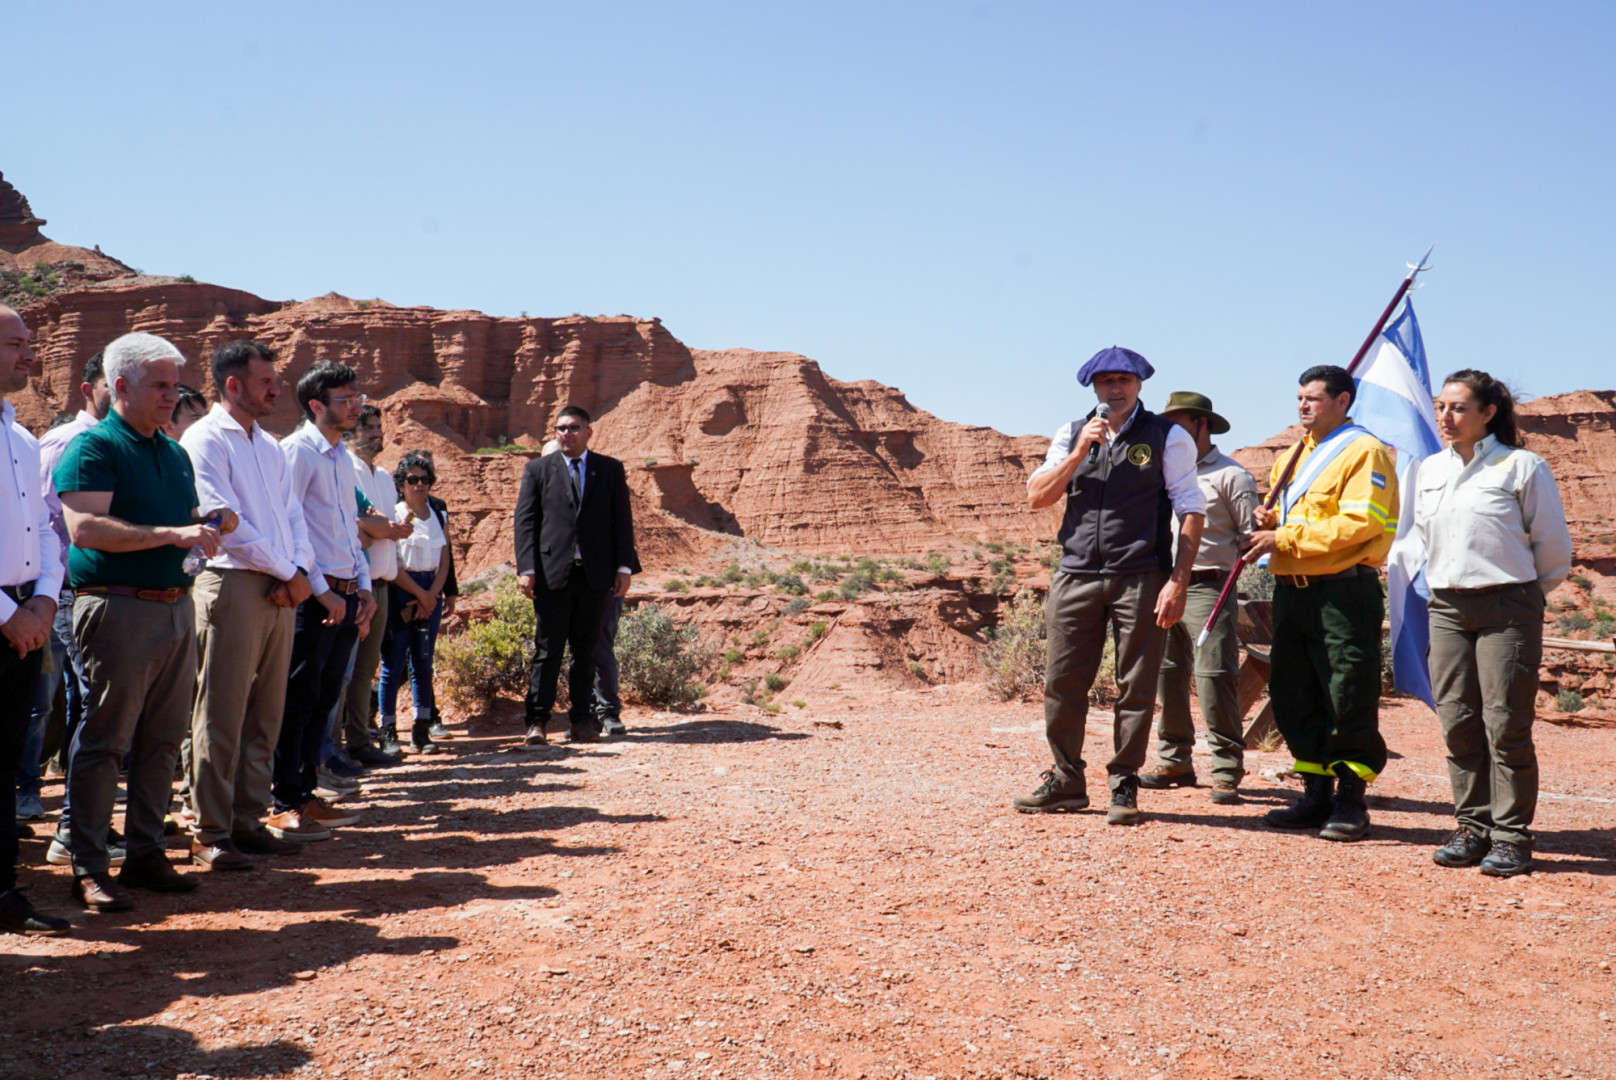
pixel 1311 810
pixel 1350 817
pixel 421 738
pixel 389 739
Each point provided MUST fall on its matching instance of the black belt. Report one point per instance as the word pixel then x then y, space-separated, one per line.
pixel 1302 581
pixel 1206 577
pixel 19 593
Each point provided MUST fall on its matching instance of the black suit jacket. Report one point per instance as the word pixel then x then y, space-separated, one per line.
pixel 550 527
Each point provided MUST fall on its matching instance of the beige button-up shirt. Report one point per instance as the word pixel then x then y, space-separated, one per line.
pixel 1231 496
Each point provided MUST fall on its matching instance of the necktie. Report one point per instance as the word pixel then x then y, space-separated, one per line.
pixel 577 480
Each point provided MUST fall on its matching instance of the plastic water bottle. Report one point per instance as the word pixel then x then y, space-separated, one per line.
pixel 196 560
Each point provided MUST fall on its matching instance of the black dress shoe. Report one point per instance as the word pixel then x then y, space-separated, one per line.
pixel 17 916
pixel 370 756
pixel 1463 848
pixel 153 871
pixel 99 892
pixel 1506 860
pixel 584 731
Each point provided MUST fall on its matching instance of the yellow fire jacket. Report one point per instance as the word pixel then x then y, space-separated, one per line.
pixel 1348 516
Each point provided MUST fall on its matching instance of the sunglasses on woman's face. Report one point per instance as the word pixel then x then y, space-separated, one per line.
pixel 417 480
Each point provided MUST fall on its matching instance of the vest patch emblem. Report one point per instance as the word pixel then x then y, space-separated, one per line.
pixel 1140 455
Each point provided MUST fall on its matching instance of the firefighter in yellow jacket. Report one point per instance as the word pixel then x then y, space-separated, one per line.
pixel 1326 538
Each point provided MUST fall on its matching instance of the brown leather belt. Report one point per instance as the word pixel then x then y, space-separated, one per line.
pixel 342 586
pixel 1302 581
pixel 156 596
pixel 1206 577
pixel 19 593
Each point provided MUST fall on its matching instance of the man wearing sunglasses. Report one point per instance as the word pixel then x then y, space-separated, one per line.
pixel 574 551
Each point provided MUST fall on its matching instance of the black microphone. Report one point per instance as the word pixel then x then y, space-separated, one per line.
pixel 1101 411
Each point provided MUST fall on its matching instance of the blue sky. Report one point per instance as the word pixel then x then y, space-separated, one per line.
pixel 964 200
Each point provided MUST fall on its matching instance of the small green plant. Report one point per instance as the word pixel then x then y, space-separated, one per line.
pixel 704 581
pixel 995 547
pixel 489 658
pixel 1568 701
pixel 787 653
pixel 677 585
pixel 937 563
pixel 799 605
pixel 791 585
pixel 733 656
pixel 918 670
pixel 825 574
pixel 188 279
pixel 650 463
pixel 799 704
pixel 826 597
pixel 472 588
pixel 660 660
pixel 1016 653
pixel 1581 581
pixel 755 579
pixel 856 584
pixel 802 566
pixel 760 638
pixel 775 682
pixel 816 630
pixel 733 573
pixel 1574 622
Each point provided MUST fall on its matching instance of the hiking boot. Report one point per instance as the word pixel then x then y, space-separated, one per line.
pixel 611 726
pixel 387 739
pixel 1311 810
pixel 1349 820
pixel 437 731
pixel 421 739
pixel 584 731
pixel 369 756
pixel 1124 802
pixel 1507 860
pixel 1225 792
pixel 1463 848
pixel 1164 777
pixel 1053 795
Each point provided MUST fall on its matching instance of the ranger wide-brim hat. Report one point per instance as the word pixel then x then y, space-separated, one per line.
pixel 1200 404
pixel 1116 358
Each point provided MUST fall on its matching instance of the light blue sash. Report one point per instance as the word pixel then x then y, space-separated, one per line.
pixel 1319 460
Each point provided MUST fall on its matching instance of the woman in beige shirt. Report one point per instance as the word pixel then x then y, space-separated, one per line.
pixel 1496 539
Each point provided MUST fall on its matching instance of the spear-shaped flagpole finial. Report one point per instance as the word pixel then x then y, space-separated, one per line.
pixel 1415 268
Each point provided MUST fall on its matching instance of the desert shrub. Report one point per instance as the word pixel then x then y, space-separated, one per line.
pixel 1580 580
pixel 1574 622
pixel 1568 701
pixel 733 656
pixel 788 653
pixel 799 704
pixel 660 660
pixel 1605 626
pixel 733 573
pixel 826 596
pixel 802 566
pixel 889 574
pixel 775 682
pixel 918 670
pixel 756 579
pixel 1017 650
pixel 791 585
pixel 676 585
pixel 856 584
pixel 760 638
pixel 824 574
pixel 799 605
pixel 1256 583
pixel 489 658
pixel 816 630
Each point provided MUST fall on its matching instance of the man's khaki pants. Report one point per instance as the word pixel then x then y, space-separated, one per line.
pixel 355 705
pixel 1216 667
pixel 1079 612
pixel 245 642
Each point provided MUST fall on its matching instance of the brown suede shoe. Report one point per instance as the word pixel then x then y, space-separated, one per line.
pixel 1225 793
pixel 99 892
pixel 292 825
pixel 1163 777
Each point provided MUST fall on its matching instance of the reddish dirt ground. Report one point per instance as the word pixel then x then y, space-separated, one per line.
pixel 843 891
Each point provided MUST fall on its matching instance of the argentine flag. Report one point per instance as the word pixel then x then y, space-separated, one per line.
pixel 1394 402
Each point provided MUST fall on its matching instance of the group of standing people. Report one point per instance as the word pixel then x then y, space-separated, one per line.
pixel 1156 518
pixel 224 600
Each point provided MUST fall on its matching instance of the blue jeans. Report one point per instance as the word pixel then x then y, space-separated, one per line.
pixel 410 643
pixel 62 666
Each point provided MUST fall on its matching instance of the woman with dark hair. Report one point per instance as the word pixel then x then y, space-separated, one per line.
pixel 416 601
pixel 1495 532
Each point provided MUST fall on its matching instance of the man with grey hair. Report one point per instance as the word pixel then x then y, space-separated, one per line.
pixel 129 499
pixel 30 578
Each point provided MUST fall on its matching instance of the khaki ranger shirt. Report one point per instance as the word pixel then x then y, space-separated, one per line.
pixel 1231 496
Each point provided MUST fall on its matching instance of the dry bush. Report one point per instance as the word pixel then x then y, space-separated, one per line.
pixel 660 661
pixel 1018 648
pixel 490 659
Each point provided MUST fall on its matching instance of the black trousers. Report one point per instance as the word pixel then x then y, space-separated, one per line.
pixel 568 616
pixel 319 661
pixel 17 678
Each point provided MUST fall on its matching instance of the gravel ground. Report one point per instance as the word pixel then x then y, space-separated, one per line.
pixel 843 891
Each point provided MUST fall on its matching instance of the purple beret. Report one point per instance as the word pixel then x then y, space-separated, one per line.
pixel 1116 358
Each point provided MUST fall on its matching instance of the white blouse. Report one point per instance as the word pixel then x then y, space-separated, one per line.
pixel 423 549
pixel 1496 521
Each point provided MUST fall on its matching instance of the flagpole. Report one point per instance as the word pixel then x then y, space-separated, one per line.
pixel 1296 452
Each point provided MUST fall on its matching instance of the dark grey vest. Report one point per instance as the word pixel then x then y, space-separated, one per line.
pixel 1119 519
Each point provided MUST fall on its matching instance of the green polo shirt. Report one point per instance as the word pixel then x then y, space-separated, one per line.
pixel 151 483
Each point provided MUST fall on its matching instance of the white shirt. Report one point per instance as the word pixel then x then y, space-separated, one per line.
pixel 247 472
pixel 377 484
pixel 1178 462
pixel 323 481
pixel 1496 521
pixel 28 548
pixel 422 550
pixel 52 445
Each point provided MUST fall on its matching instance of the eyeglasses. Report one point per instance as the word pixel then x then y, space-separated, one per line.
pixel 568 429
pixel 418 480
pixel 351 399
